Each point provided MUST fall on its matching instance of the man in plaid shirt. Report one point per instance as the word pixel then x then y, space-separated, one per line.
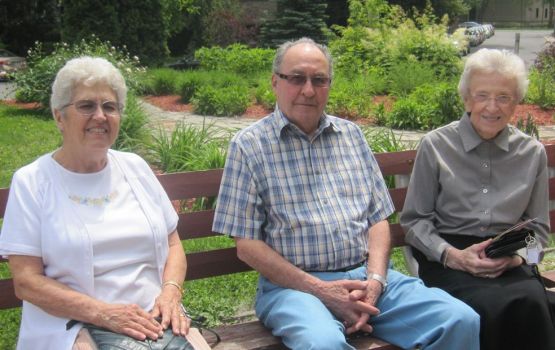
pixel 304 199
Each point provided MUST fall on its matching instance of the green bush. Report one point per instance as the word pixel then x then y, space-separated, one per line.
pixel 263 92
pixel 427 107
pixel 351 95
pixel 161 81
pixel 235 58
pixel 191 81
pixel 224 101
pixel 541 90
pixel 404 77
pixel 35 83
pixel 134 135
pixel 190 148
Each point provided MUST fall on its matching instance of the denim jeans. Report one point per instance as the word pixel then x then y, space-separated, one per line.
pixel 108 340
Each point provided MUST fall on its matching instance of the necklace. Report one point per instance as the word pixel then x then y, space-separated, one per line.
pixel 89 201
pixel 94 201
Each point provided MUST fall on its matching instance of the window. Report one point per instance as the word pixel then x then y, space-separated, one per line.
pixel 545 13
pixel 537 12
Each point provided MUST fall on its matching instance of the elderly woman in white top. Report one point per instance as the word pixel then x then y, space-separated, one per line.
pixel 90 233
pixel 473 179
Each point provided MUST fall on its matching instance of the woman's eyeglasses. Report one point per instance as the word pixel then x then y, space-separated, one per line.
pixel 501 100
pixel 300 80
pixel 88 108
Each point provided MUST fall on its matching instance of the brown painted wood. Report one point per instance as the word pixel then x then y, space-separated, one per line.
pixel 214 263
pixel 396 163
pixel 3 200
pixel 550 150
pixel 196 224
pixel 192 184
pixel 8 299
pixel 253 335
pixel 549 278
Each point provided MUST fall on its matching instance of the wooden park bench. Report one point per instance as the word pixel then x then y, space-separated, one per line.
pixel 253 335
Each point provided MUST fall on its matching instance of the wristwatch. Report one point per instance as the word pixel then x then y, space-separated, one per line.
pixel 379 278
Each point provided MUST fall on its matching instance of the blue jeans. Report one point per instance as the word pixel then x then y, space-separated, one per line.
pixel 108 340
pixel 411 316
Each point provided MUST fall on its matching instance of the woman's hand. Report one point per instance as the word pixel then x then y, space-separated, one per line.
pixel 474 261
pixel 130 320
pixel 168 306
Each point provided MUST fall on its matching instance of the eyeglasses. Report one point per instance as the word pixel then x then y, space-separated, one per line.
pixel 88 108
pixel 300 80
pixel 501 100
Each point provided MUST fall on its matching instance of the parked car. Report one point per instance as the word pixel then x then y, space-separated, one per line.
pixel 9 63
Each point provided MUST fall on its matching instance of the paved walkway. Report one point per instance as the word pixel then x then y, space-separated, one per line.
pixel 168 120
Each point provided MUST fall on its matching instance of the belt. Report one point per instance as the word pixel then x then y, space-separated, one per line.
pixel 345 269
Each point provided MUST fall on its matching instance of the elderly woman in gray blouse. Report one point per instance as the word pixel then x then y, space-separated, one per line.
pixel 473 179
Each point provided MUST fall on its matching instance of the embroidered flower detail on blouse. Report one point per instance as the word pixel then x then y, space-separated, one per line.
pixel 95 202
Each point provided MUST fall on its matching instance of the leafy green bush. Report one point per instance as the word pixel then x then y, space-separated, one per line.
pixel 161 81
pixel 427 107
pixel 541 90
pixel 263 92
pixel 351 96
pixel 223 101
pixel 133 135
pixel 235 58
pixel 191 81
pixel 35 83
pixel 404 77
pixel 190 148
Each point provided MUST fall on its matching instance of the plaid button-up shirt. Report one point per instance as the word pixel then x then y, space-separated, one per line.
pixel 310 199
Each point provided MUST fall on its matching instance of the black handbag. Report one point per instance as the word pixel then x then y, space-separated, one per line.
pixel 508 243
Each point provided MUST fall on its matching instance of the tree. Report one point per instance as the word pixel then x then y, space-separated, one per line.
pixel 452 8
pixel 295 19
pixel 23 22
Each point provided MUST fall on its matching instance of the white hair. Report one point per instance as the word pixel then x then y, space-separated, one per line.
pixel 488 61
pixel 88 71
pixel 283 48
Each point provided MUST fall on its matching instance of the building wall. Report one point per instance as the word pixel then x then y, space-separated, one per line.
pixel 524 12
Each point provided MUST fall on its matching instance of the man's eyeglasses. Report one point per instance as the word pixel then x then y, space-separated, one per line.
pixel 501 100
pixel 88 108
pixel 300 80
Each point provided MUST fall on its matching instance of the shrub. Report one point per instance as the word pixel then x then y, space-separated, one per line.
pixel 192 81
pixel 263 92
pixel 351 96
pixel 133 134
pixel 224 101
pixel 235 58
pixel 427 107
pixel 161 81
pixel 35 83
pixel 404 77
pixel 542 77
pixel 190 148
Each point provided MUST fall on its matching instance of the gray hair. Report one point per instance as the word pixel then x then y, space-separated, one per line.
pixel 488 61
pixel 282 50
pixel 88 71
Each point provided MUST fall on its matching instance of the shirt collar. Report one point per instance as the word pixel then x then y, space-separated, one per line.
pixel 471 139
pixel 284 125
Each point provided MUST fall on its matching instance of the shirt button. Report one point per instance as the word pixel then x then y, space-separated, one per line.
pixel 485 165
pixel 485 190
pixel 486 212
pixel 325 201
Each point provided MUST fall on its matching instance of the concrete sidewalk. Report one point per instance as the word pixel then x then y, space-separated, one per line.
pixel 167 120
